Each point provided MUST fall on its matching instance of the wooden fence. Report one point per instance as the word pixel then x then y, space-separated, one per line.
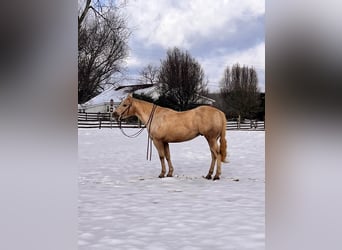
pixel 103 120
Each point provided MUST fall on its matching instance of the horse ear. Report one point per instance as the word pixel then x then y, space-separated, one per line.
pixel 130 95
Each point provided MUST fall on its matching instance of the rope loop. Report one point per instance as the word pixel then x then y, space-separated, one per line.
pixel 149 139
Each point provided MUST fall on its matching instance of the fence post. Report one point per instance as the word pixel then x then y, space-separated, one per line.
pixel 111 120
pixel 100 124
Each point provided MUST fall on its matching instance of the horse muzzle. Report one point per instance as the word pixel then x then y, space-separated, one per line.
pixel 116 115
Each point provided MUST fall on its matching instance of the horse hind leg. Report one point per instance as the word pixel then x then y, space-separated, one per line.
pixel 218 167
pixel 168 158
pixel 215 157
pixel 212 165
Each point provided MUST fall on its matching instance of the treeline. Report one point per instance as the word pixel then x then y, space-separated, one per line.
pixel 258 112
pixel 182 86
pixel 240 95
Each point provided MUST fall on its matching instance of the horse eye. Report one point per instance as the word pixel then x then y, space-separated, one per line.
pixel 124 105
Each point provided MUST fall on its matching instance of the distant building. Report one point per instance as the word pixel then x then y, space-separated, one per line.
pixel 101 102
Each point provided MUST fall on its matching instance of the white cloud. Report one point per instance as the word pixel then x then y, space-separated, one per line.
pixel 254 56
pixel 198 24
pixel 133 61
pixel 163 23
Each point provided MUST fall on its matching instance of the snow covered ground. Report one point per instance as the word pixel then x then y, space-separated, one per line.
pixel 123 205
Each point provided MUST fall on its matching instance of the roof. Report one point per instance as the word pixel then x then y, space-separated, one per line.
pixel 119 93
pixel 132 88
pixel 105 96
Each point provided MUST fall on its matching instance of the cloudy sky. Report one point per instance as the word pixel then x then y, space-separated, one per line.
pixel 217 33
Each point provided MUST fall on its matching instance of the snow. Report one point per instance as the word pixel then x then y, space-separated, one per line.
pixel 123 205
pixel 105 96
pixel 151 91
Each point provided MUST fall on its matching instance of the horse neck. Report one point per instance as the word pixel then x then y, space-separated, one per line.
pixel 142 110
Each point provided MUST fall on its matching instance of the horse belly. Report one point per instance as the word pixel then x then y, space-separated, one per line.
pixel 180 136
pixel 176 128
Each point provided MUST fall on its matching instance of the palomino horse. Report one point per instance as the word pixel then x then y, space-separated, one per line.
pixel 166 125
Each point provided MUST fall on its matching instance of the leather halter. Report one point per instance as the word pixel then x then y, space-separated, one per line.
pixel 126 109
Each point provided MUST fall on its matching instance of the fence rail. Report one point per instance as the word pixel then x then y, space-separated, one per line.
pixel 103 120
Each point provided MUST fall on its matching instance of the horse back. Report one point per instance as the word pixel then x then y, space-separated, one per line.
pixel 207 113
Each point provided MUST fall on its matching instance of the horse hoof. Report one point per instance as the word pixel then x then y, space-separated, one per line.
pixel 169 175
pixel 208 177
pixel 161 176
pixel 216 178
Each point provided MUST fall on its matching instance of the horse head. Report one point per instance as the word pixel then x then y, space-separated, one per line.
pixel 125 109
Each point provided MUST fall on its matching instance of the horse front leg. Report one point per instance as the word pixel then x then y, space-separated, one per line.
pixel 161 151
pixel 168 158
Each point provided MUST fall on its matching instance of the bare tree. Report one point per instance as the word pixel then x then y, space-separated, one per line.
pixel 83 12
pixel 102 48
pixel 96 7
pixel 182 79
pixel 149 75
pixel 240 92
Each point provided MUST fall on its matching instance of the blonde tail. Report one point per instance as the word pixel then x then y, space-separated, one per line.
pixel 223 142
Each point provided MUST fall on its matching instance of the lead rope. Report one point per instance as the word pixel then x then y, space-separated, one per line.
pixel 133 135
pixel 123 132
pixel 149 139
